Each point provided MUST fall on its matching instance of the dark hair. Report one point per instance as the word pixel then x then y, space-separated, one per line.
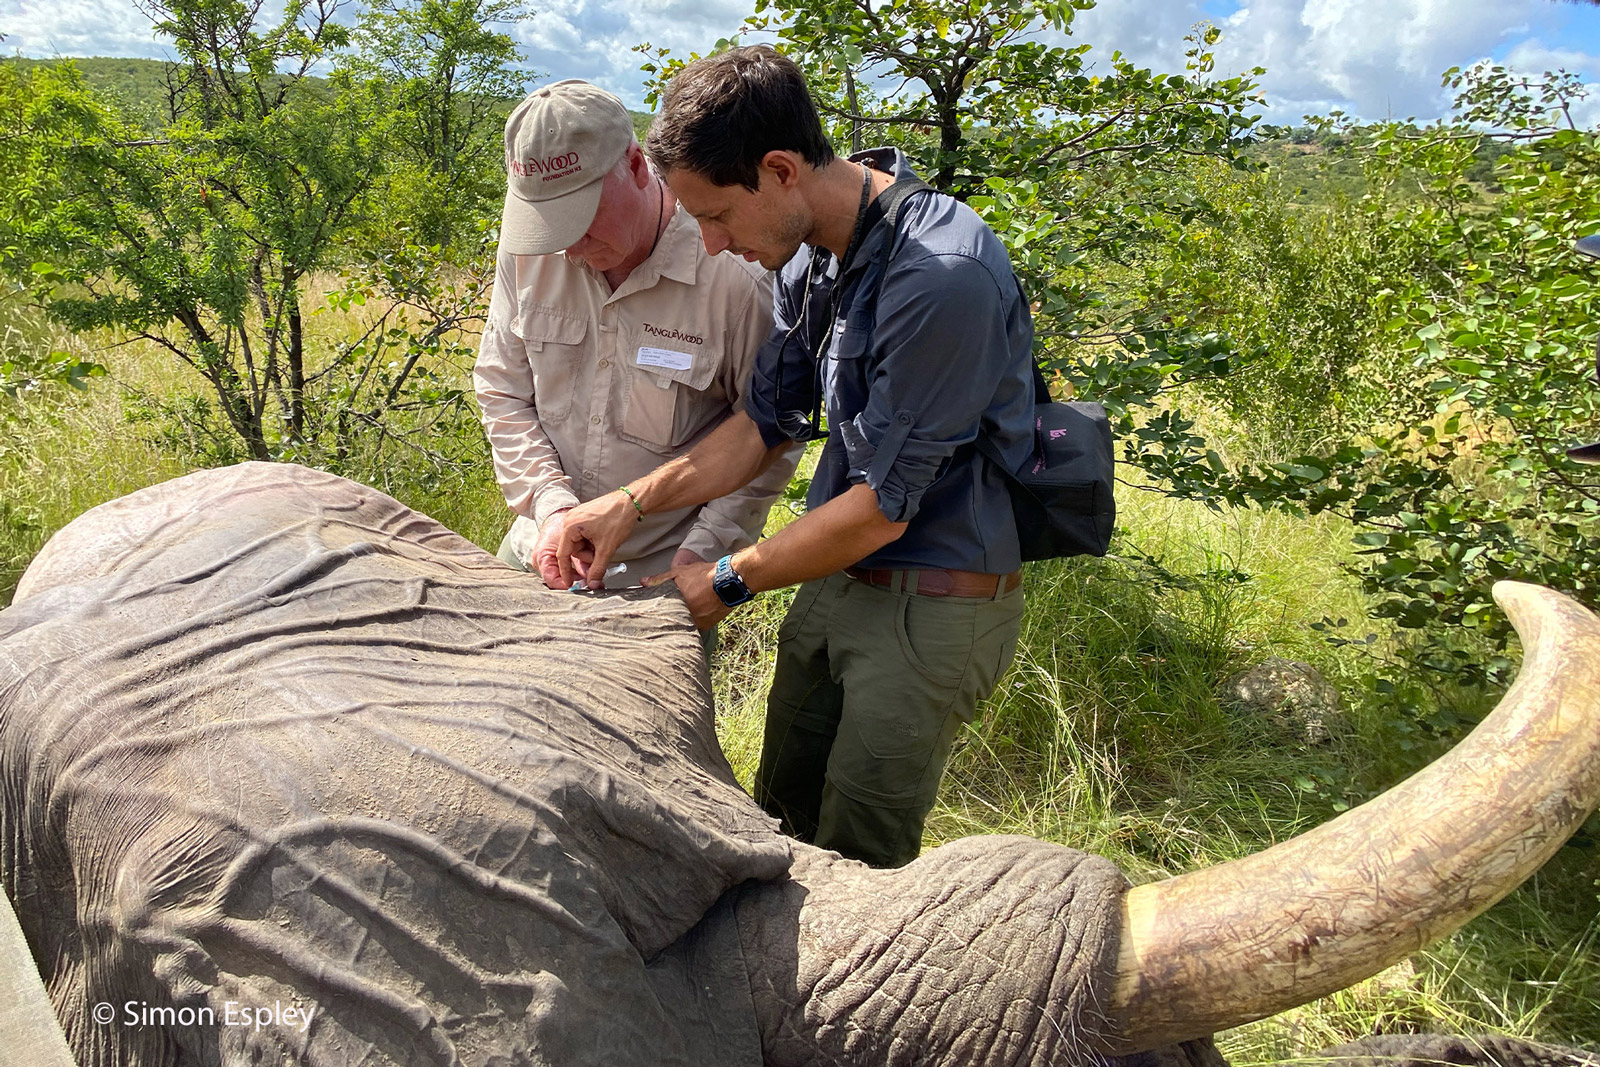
pixel 722 114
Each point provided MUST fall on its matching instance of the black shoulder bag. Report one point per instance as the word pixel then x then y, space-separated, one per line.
pixel 1062 494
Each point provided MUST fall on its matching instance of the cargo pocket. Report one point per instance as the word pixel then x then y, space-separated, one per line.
pixel 554 343
pixel 664 407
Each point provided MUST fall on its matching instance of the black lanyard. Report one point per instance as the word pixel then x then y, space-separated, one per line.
pixel 796 424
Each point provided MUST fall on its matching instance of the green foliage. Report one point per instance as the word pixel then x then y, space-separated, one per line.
pixel 396 391
pixel 1415 363
pixel 203 235
pixel 28 370
pixel 200 239
pixel 1291 291
pixel 1461 479
pixel 138 87
pixel 448 80
pixel 22 371
pixel 1502 335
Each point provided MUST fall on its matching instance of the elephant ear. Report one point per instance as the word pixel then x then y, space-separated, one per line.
pixel 284 741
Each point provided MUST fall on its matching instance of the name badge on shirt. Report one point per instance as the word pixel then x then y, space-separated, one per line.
pixel 665 358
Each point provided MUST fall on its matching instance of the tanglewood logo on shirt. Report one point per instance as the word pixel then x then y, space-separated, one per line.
pixel 674 335
pixel 552 168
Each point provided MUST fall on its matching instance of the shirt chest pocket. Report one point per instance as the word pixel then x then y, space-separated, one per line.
pixel 670 398
pixel 556 354
pixel 846 373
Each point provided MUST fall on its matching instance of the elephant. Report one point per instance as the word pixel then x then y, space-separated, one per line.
pixel 294 774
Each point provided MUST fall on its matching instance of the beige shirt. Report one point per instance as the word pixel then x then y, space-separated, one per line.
pixel 582 389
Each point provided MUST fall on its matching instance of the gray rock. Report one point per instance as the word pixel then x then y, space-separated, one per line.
pixel 1291 693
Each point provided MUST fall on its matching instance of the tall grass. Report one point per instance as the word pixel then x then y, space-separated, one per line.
pixel 63 452
pixel 153 418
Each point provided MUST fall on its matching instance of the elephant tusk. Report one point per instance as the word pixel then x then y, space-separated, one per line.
pixel 1252 937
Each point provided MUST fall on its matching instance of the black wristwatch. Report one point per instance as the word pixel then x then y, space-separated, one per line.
pixel 730 588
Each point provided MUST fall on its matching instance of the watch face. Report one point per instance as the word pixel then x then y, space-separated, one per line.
pixel 727 584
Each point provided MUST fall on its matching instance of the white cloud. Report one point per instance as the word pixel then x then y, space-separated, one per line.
pixel 594 39
pixel 77 28
pixel 1372 58
pixel 1533 55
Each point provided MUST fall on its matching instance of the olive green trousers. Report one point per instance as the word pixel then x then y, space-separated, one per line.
pixel 869 690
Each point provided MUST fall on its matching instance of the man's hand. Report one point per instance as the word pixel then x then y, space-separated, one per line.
pixel 687 557
pixel 546 551
pixel 694 582
pixel 593 532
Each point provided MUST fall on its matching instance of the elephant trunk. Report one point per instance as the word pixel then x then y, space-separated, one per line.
pixel 991 950
pixel 1250 938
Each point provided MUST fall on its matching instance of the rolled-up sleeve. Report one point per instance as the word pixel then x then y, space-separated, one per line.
pixel 940 339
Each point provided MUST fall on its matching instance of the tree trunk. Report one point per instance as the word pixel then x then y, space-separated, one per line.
pixel 949 146
pixel 855 109
pixel 297 366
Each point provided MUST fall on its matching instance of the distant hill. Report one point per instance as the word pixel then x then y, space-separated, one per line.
pixel 139 85
pixel 135 78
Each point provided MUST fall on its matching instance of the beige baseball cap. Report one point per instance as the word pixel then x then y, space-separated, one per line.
pixel 560 141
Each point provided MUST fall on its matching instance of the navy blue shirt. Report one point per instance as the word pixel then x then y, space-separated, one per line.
pixel 946 354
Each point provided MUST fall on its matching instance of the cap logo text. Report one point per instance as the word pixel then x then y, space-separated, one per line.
pixel 549 168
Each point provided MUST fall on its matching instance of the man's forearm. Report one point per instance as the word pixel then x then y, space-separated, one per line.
pixel 730 456
pixel 728 459
pixel 736 519
pixel 821 542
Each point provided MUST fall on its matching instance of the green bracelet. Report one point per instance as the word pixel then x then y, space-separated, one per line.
pixel 636 507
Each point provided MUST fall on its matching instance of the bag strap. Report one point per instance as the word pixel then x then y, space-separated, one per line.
pixel 889 203
pixel 892 199
pixel 886 207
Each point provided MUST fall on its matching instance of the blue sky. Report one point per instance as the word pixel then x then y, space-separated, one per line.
pixel 1371 58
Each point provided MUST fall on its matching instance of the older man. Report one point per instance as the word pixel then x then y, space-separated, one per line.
pixel 614 341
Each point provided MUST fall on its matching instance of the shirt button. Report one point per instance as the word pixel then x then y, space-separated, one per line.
pixel 588 475
pixel 595 420
pixel 605 363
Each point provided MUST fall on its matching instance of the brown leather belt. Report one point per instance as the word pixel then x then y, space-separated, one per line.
pixel 936 581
